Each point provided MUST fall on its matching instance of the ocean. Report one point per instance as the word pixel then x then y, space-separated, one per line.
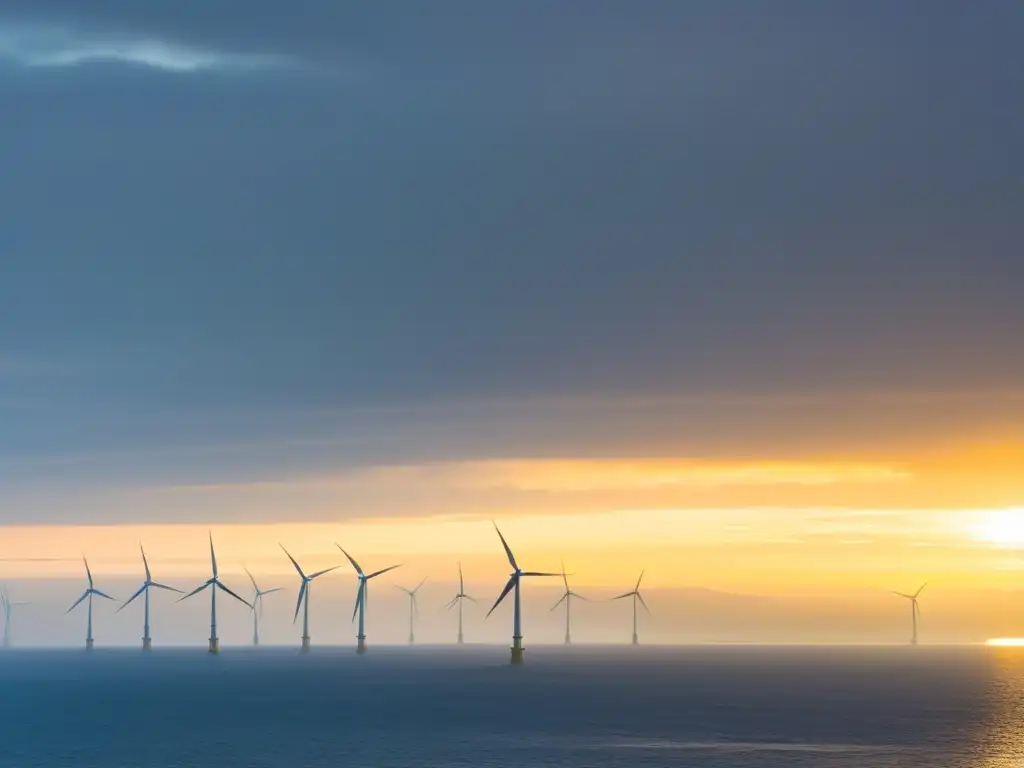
pixel 742 706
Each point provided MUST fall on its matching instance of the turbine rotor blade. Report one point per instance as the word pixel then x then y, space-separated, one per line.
pixel 420 585
pixel 321 573
pixel 920 589
pixel 239 599
pixel 292 559
pixel 77 602
pixel 213 557
pixel 164 586
pixel 538 573
pixel 254 585
pixel 101 594
pixel 350 558
pixel 195 591
pixel 126 602
pixel 359 599
pixel 637 587
pixel 508 588
pixel 88 572
pixel 627 594
pixel 462 588
pixel 511 557
pixel 270 591
pixel 451 603
pixel 560 601
pixel 383 570
pixel 641 599
pixel 298 605
pixel 145 562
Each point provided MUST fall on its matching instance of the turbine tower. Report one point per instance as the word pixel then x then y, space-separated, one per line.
pixel 147 641
pixel 567 599
pixel 304 597
pixel 915 610
pixel 87 595
pixel 458 599
pixel 361 598
pixel 214 583
pixel 635 594
pixel 414 609
pixel 513 583
pixel 8 606
pixel 257 606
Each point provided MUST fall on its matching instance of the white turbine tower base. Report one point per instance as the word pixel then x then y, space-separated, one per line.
pixel 147 641
pixel 567 599
pixel 87 595
pixel 257 606
pixel 414 609
pixel 513 583
pixel 635 594
pixel 8 607
pixel 214 583
pixel 458 599
pixel 361 595
pixel 303 602
pixel 915 610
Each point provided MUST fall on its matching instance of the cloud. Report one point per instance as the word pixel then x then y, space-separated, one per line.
pixel 47 47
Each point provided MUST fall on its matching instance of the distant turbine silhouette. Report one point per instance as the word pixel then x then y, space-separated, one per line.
pixel 361 597
pixel 8 607
pixel 635 594
pixel 458 599
pixel 414 609
pixel 303 602
pixel 214 583
pixel 915 610
pixel 147 641
pixel 567 599
pixel 513 583
pixel 87 595
pixel 257 606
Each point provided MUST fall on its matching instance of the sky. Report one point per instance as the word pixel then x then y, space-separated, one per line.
pixel 730 295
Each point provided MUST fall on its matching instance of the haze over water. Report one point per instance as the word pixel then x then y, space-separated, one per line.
pixel 746 707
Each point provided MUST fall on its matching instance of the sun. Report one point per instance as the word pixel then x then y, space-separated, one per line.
pixel 1004 527
pixel 1005 642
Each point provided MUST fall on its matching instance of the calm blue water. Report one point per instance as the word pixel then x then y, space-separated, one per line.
pixel 726 706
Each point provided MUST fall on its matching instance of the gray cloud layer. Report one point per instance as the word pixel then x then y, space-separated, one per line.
pixel 518 202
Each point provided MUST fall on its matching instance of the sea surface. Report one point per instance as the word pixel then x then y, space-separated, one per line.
pixel 743 706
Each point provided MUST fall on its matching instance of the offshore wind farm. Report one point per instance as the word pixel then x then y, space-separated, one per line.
pixel 359 618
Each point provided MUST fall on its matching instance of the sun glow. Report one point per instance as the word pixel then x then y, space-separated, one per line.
pixel 1003 527
pixel 1005 642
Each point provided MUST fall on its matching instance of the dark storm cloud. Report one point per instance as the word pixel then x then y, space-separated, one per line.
pixel 518 201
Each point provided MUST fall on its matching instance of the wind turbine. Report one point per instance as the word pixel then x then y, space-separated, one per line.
pixel 458 599
pixel 147 641
pixel 361 597
pixel 567 599
pixel 214 583
pixel 304 596
pixel 414 609
pixel 88 595
pixel 915 610
pixel 635 594
pixel 8 606
pixel 513 583
pixel 257 606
